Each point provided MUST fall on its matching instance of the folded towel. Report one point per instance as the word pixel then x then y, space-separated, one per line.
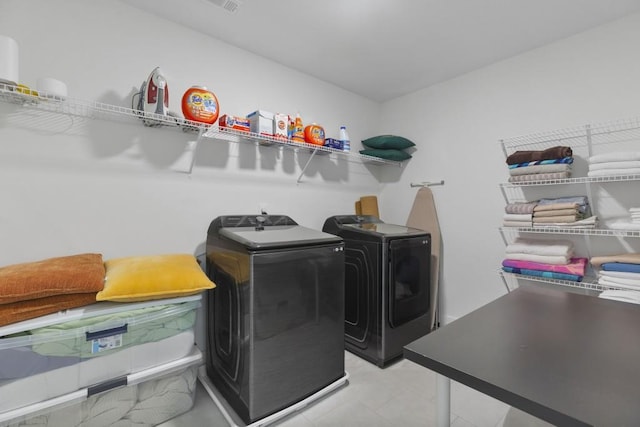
pixel 555 219
pixel 582 201
pixel 576 266
pixel 556 206
pixel 526 224
pixel 631 258
pixel 616 284
pixel 623 225
pixel 534 177
pixel 517 217
pixel 540 246
pixel 589 222
pixel 556 212
pixel 545 259
pixel 546 274
pixel 520 207
pixel 621 280
pixel 74 274
pixel 621 266
pixel 622 274
pixel 615 165
pixel 613 172
pixel 567 160
pixel 30 309
pixel 616 156
pixel 560 167
pixel 556 152
pixel 626 295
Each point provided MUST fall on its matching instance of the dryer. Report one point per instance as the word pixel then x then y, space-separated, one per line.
pixel 387 285
pixel 275 321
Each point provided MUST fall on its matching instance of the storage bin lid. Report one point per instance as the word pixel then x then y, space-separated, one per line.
pixel 85 312
pixel 383 229
pixel 278 236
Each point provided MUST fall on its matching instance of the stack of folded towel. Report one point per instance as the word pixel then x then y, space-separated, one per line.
pixel 624 295
pixel 618 271
pixel 544 258
pixel 616 163
pixel 561 212
pixel 519 214
pixel 539 165
pixel 630 225
pixel 573 211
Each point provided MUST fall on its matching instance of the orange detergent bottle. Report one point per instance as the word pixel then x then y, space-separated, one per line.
pixel 200 105
pixel 298 130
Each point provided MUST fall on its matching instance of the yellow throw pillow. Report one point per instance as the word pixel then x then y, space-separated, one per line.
pixel 140 278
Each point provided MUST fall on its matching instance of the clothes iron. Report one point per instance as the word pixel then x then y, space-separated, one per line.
pixel 154 98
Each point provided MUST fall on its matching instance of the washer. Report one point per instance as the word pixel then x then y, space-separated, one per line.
pixel 387 285
pixel 275 321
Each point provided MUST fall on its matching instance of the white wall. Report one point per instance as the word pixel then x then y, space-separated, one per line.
pixel 71 185
pixel 89 185
pixel 591 77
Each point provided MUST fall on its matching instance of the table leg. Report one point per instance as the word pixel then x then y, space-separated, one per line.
pixel 443 397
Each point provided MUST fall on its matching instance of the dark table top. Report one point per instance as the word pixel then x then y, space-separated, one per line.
pixel 569 359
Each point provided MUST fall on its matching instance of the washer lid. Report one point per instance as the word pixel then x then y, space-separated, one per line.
pixel 278 236
pixel 383 229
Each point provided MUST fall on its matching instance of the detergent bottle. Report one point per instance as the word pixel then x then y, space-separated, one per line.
pixel 298 129
pixel 344 138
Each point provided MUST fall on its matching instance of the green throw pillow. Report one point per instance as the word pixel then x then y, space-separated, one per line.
pixel 390 154
pixel 388 141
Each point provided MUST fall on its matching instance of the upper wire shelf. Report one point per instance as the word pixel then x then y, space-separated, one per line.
pixel 42 101
pixel 578 180
pixel 232 135
pixel 576 136
pixel 568 230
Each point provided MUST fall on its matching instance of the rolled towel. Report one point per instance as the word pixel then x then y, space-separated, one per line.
pixel 556 152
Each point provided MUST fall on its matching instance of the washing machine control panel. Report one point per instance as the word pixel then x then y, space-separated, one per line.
pixel 254 221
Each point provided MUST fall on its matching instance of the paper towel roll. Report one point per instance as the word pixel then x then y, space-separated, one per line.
pixel 8 60
pixel 369 206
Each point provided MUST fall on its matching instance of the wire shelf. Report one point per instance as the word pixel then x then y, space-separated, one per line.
pixel 590 284
pixel 42 101
pixel 579 231
pixel 232 135
pixel 578 180
pixel 603 132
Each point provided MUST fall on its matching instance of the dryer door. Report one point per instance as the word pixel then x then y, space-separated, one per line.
pixel 409 279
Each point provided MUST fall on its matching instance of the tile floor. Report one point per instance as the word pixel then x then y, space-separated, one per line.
pixel 402 394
